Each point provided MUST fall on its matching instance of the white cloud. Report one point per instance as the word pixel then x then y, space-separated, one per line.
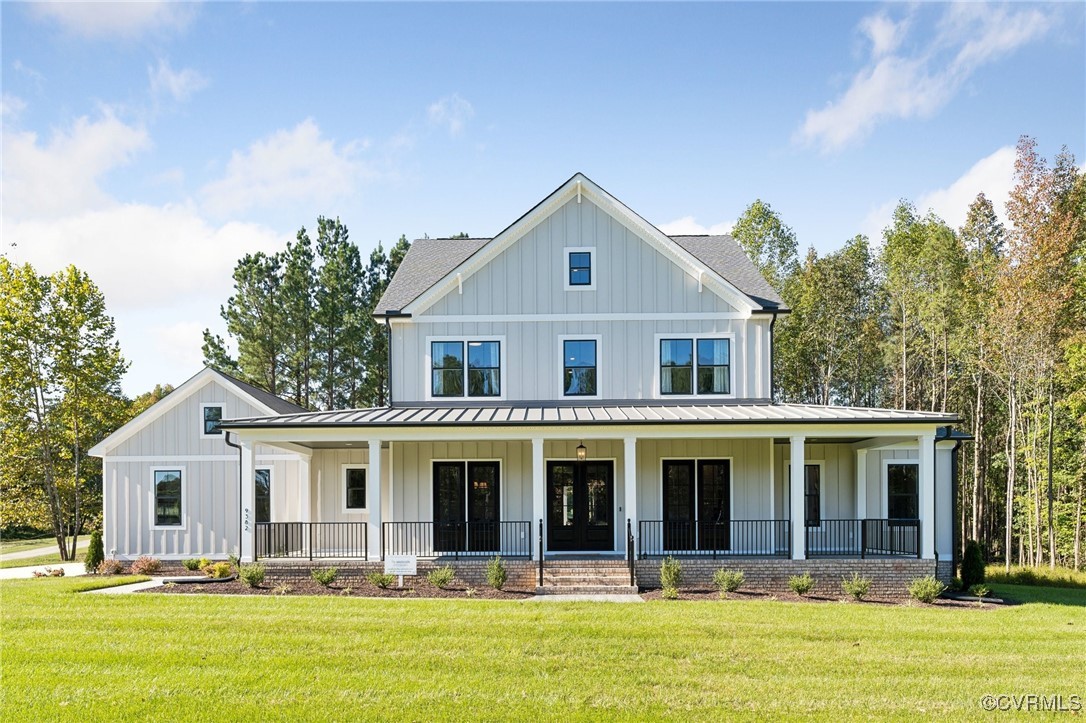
pixel 11 106
pixel 288 165
pixel 62 176
pixel 452 112
pixel 992 175
pixel 688 226
pixel 896 85
pixel 178 85
pixel 98 20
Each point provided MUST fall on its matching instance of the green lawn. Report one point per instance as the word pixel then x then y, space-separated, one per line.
pixel 145 656
pixel 51 559
pixel 7 545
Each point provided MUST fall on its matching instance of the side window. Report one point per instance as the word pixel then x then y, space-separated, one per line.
pixel 212 416
pixel 579 368
pixel 169 497
pixel 354 489
pixel 263 495
pixel 902 494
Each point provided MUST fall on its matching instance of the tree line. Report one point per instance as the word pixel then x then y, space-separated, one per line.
pixel 987 320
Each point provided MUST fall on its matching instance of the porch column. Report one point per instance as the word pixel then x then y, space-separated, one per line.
pixel 539 493
pixel 373 499
pixel 247 553
pixel 797 498
pixel 927 495
pixel 861 484
pixel 629 468
pixel 305 490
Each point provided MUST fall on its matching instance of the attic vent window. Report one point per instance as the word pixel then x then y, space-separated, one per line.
pixel 580 271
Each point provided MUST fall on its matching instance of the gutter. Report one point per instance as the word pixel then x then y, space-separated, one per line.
pixel 241 523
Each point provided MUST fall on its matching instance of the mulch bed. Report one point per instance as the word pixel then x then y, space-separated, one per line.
pixel 713 595
pixel 311 587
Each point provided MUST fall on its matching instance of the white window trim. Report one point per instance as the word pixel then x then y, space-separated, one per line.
pixel 205 405
pixel 886 484
pixel 821 488
pixel 693 337
pixel 271 490
pixel 184 497
pixel 465 461
pixel 343 489
pixel 562 339
pixel 503 377
pixel 591 251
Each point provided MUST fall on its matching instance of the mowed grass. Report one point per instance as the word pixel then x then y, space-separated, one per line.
pixel 8 545
pixel 145 656
pixel 51 559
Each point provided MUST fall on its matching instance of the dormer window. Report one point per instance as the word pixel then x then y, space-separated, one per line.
pixel 580 268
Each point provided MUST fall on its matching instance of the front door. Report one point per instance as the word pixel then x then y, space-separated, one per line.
pixel 466 507
pixel 580 506
pixel 697 504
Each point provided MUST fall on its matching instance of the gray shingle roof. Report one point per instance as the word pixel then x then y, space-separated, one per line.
pixel 429 260
pixel 280 406
pixel 723 255
pixel 603 413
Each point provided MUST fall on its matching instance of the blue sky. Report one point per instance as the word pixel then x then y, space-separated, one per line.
pixel 154 144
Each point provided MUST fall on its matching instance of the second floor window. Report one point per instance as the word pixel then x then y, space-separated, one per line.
pixel 481 377
pixel 579 373
pixel 212 419
pixel 682 371
pixel 580 268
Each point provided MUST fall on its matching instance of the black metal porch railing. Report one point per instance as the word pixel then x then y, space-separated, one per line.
pixel 457 539
pixel 864 538
pixel 312 540
pixel 736 538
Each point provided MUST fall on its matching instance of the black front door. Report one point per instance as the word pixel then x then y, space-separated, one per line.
pixel 580 497
pixel 697 504
pixel 466 504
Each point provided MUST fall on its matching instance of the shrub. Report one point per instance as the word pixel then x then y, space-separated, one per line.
pixel 440 577
pixel 193 564
pixel 926 589
pixel 324 576
pixel 972 565
pixel 380 579
pixel 234 560
pixel 857 586
pixel 670 593
pixel 144 565
pixel 727 581
pixel 218 570
pixel 980 591
pixel 110 567
pixel 801 584
pixel 95 552
pixel 251 574
pixel 671 576
pixel 956 583
pixel 282 589
pixel 495 573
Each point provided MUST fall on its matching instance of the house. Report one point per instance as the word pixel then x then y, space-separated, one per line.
pixel 579 387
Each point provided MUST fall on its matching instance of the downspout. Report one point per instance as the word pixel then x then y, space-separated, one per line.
pixel 772 370
pixel 237 446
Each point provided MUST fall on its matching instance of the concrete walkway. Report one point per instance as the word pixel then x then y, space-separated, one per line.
pixel 71 569
pixel 40 551
pixel 133 587
pixel 587 598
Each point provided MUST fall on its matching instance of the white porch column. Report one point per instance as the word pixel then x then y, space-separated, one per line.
pixel 629 469
pixel 373 499
pixel 305 491
pixel 797 498
pixel 861 484
pixel 248 502
pixel 539 493
pixel 927 495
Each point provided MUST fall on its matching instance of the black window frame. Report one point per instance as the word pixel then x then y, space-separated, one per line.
pixel 216 429
pixel 571 268
pixel 435 369
pixel 347 488
pixel 812 498
pixel 891 497
pixel 567 369
pixel 262 500
pixel 180 496
pixel 468 368
pixel 695 367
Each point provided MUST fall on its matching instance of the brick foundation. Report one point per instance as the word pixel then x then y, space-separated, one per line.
pixel 888 577
pixel 522 574
pixel 944 570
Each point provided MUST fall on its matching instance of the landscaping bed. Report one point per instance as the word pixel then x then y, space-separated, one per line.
pixel 417 589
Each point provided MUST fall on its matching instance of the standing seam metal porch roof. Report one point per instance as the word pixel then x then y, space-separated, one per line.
pixel 605 413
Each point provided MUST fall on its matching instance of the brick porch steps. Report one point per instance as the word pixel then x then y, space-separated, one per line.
pixel 586 577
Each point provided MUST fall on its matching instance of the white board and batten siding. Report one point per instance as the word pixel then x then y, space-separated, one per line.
pixel 521 297
pixel 210 503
